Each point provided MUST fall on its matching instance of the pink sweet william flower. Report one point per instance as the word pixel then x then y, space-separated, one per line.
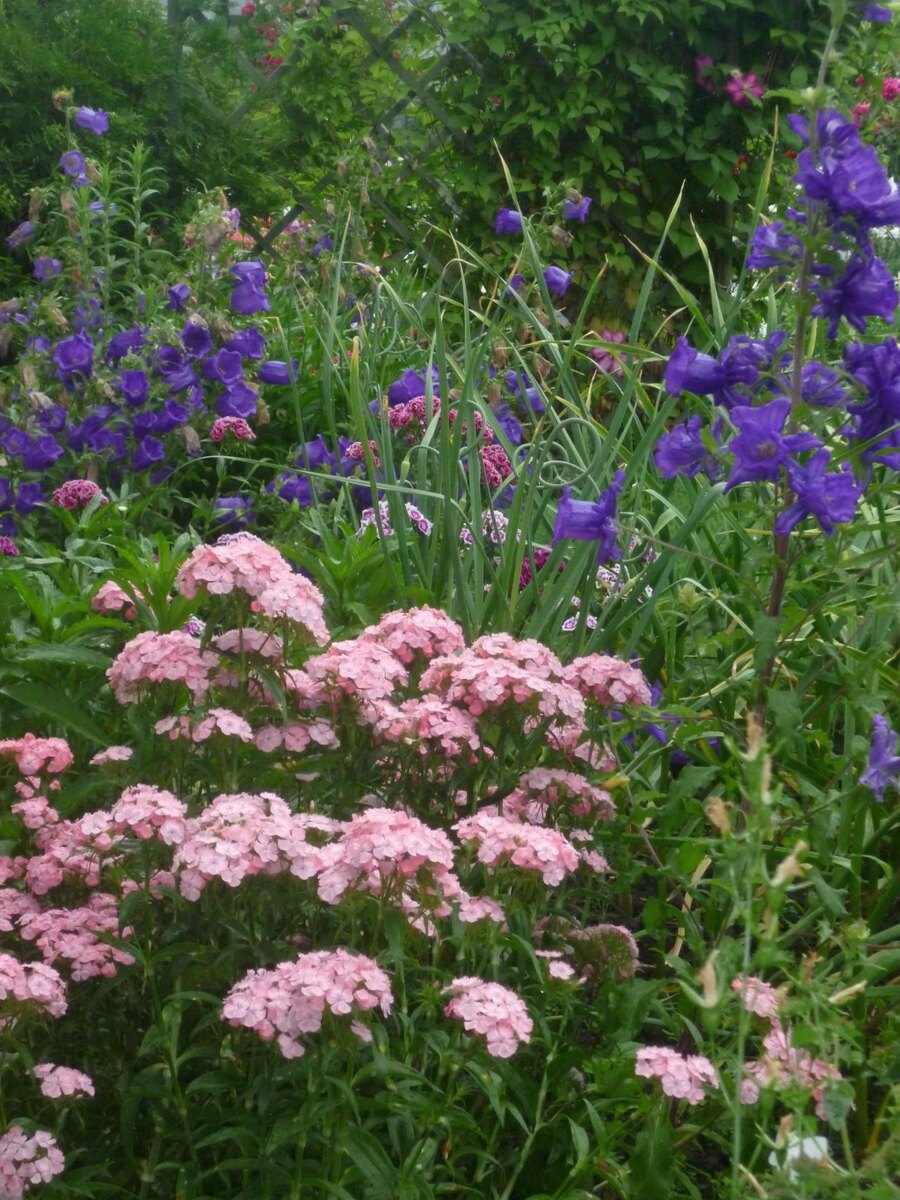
pixel 608 681
pixel 529 847
pixel 420 633
pixel 546 788
pixel 682 1076
pixel 491 1011
pixel 743 89
pixel 31 983
pixel 74 935
pixel 293 998
pixel 431 725
pixel 27 1160
pixel 236 426
pixel 890 89
pixel 78 493
pixel 758 997
pixel 161 658
pixel 110 598
pixel 785 1065
pixel 35 755
pixel 112 754
pixel 60 1082
pixel 145 811
pixel 385 852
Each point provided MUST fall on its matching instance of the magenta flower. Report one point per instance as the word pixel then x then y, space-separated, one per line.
pixel 702 68
pixel 742 90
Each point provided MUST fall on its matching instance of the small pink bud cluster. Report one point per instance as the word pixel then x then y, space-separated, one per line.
pixel 57 1083
pixel 495 465
pixel 78 493
pixel 491 1011
pixel 683 1077
pixel 890 89
pixel 236 426
pixel 293 998
pixel 26 1161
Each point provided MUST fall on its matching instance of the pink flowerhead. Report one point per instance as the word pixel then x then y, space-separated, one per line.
pixel 529 847
pixel 491 1011
pixel 31 983
pixel 27 1160
pixel 35 755
pixel 110 598
pixel 890 89
pixel 8 547
pixel 758 997
pixel 293 998
pixel 682 1077
pixel 608 681
pixel 743 89
pixel 236 426
pixel 78 493
pixel 152 658
pixel 112 754
pixel 57 1083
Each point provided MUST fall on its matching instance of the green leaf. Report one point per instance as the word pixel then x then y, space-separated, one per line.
pixel 53 703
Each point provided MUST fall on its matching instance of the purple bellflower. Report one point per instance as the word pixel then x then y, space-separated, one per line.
pixel 508 220
pixel 587 521
pixel 21 234
pixel 577 210
pixel 761 449
pixel 94 120
pixel 884 761
pixel 557 280
pixel 830 498
pixel 682 451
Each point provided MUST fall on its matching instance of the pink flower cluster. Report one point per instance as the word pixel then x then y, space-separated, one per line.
pixel 161 658
pixel 36 756
pixel 73 934
pixel 682 1076
pixel 528 847
pixel 60 1082
pixel 890 89
pixel 26 1161
pixel 240 835
pixel 758 997
pixel 214 720
pixel 31 983
pixel 112 754
pixel 430 724
pixel 110 598
pixel 236 426
pixel 416 635
pixel 482 683
pixel 77 493
pixel 608 681
pixel 544 788
pixel 491 1011
pixel 292 999
pixel 784 1065
pixel 382 851
pixel 242 562
pixel 363 671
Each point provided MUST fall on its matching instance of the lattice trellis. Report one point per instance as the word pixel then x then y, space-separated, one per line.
pixel 419 98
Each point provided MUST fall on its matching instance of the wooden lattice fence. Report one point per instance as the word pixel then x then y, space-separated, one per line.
pixel 413 133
